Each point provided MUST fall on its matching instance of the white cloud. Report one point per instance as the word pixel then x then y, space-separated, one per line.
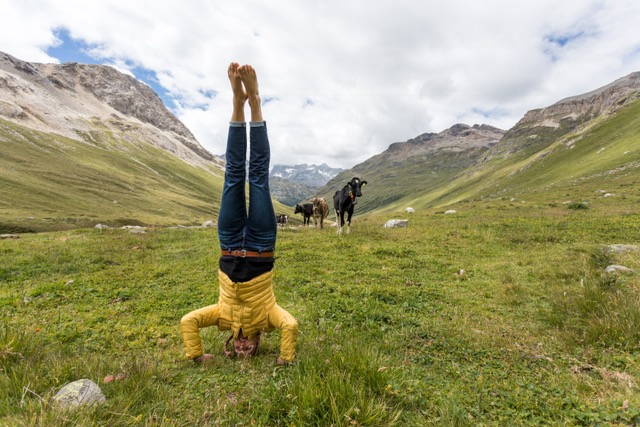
pixel 347 78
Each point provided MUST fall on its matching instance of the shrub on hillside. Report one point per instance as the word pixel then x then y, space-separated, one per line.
pixel 578 205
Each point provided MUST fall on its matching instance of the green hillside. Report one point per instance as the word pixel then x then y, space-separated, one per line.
pixel 602 155
pixel 49 181
pixel 390 181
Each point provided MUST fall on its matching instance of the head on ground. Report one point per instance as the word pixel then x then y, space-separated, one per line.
pixel 242 346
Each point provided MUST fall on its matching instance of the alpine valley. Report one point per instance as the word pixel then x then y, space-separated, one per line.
pixel 82 144
pixel 508 296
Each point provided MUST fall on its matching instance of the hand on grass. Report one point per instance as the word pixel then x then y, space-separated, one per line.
pixel 205 358
pixel 281 362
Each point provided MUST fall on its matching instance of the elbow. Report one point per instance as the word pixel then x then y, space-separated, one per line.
pixel 290 324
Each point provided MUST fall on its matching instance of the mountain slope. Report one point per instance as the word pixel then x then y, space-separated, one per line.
pixel 78 100
pixel 577 148
pixel 418 166
pixel 81 144
pixel 593 134
pixel 50 181
pixel 581 166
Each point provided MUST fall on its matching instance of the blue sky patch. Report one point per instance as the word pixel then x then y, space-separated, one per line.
pixel 554 43
pixel 493 113
pixel 70 49
pixel 77 50
pixel 562 40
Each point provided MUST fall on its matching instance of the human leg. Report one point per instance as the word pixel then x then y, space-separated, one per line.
pixel 261 224
pixel 233 213
pixel 261 228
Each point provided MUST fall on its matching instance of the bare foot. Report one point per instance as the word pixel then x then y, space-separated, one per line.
pixel 203 359
pixel 250 80
pixel 239 94
pixel 281 362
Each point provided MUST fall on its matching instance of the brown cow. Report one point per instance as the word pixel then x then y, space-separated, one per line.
pixel 320 210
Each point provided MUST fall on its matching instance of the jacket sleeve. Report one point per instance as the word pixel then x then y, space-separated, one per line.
pixel 191 324
pixel 280 318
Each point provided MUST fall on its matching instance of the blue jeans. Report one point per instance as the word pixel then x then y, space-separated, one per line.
pixel 237 230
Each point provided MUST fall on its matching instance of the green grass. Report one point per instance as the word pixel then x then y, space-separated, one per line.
pixel 51 182
pixel 532 333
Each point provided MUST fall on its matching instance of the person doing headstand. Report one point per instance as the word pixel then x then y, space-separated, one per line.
pixel 246 305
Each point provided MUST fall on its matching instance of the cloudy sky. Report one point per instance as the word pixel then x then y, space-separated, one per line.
pixel 341 80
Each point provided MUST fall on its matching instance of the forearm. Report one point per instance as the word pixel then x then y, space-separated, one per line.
pixel 281 319
pixel 191 324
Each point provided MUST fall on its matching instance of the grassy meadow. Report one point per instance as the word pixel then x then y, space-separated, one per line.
pixel 49 182
pixel 498 315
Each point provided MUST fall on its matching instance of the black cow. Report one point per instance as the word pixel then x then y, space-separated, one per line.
pixel 344 201
pixel 282 220
pixel 307 211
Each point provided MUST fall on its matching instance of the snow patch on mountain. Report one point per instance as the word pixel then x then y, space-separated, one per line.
pixel 311 175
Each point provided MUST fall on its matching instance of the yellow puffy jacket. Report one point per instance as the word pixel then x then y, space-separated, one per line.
pixel 250 306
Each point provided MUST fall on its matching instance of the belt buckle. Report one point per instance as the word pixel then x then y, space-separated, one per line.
pixel 244 253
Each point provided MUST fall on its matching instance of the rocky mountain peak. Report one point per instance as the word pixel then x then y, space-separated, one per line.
pixel 580 108
pixel 75 99
pixel 123 92
pixel 459 137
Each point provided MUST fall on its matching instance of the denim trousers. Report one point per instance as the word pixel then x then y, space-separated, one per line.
pixel 255 231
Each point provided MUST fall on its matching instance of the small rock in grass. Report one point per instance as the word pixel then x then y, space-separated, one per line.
pixel 79 393
pixel 615 269
pixel 396 223
pixel 618 248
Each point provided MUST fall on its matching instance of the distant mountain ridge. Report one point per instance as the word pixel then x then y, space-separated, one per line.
pixel 292 184
pixel 311 175
pixel 457 138
pixel 540 127
pixel 75 100
pixel 418 165
pixel 288 192
pixel 604 100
